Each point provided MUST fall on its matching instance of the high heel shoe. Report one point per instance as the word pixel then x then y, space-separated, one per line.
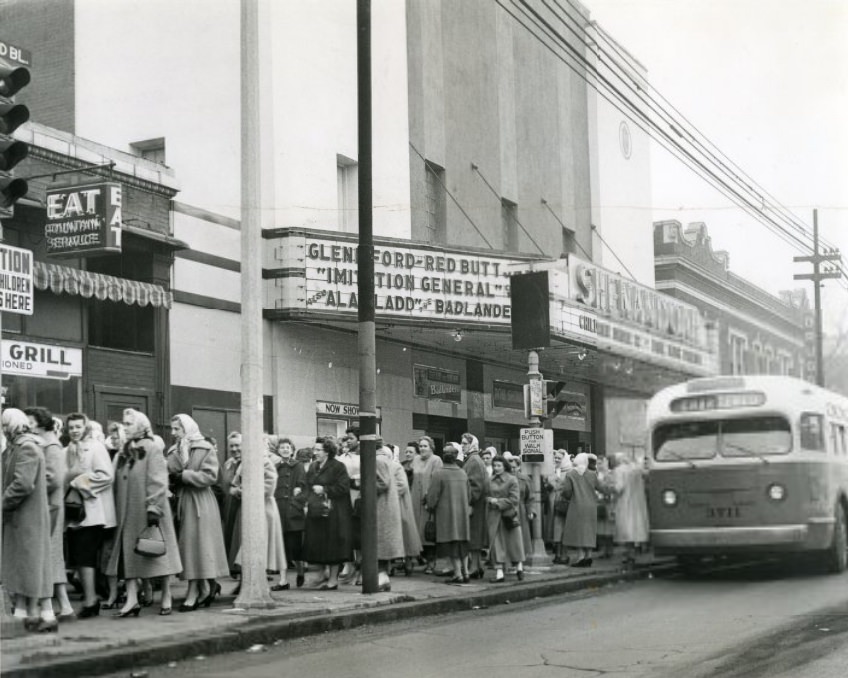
pixel 45 626
pixel 132 612
pixel 90 610
pixel 300 580
pixel 164 611
pixel 207 601
pixel 110 606
pixel 478 573
pixel 188 608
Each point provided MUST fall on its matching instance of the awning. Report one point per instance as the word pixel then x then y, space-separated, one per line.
pixel 59 279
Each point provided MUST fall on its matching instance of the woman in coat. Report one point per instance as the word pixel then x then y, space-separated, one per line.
pixel 581 523
pixel 41 424
pixel 447 496
pixel 193 468
pixel 328 539
pixel 478 493
pixel 27 567
pixel 290 494
pixel 410 452
pixel 389 524
pixel 90 473
pixel 423 468
pixel 411 539
pixel 525 501
pixel 627 481
pixel 141 501
pixel 231 509
pixel 505 542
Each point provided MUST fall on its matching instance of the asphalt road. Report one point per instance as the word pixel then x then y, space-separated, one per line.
pixel 767 621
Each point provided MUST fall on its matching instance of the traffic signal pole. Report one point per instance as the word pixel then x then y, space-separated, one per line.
pixel 817 259
pixel 539 556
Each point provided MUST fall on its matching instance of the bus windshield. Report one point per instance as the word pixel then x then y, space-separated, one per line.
pixel 751 437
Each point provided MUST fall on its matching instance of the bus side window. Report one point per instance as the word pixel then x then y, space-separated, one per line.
pixel 840 434
pixel 812 431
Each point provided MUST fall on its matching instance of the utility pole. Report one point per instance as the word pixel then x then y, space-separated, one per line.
pixel 817 276
pixel 254 591
pixel 535 411
pixel 365 285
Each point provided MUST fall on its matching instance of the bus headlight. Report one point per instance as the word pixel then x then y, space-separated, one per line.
pixel 669 497
pixel 776 492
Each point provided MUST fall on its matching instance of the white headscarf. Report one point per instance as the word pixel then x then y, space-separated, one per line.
pixel 472 441
pixel 139 425
pixel 581 463
pixel 14 422
pixel 191 434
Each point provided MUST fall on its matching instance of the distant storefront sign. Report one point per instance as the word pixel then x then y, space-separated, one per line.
pixel 45 361
pixel 435 383
pixel 317 273
pixel 16 266
pixel 508 395
pixel 336 409
pixel 18 55
pixel 83 219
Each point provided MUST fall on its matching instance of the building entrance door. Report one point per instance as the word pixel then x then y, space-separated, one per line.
pixel 111 401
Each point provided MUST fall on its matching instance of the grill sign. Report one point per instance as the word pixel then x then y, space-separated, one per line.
pixel 84 219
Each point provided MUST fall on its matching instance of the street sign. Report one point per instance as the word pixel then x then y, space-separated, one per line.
pixel 45 361
pixel 537 398
pixel 15 280
pixel 534 442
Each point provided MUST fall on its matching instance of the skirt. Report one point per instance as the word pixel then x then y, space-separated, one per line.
pixel 452 549
pixel 293 542
pixel 84 546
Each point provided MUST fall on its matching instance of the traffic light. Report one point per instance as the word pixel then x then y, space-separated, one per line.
pixel 553 403
pixel 13 78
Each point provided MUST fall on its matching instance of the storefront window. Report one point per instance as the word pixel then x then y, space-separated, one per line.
pixel 60 396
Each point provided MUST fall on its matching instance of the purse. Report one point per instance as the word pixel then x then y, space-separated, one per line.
pixel 74 506
pixel 510 518
pixel 430 529
pixel 150 543
pixel 318 507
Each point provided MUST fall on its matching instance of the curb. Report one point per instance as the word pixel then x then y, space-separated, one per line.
pixel 263 630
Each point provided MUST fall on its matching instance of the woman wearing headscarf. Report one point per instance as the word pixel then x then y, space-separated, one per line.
pixel 411 539
pixel 627 480
pixel 90 473
pixel 141 501
pixel 505 542
pixel 389 524
pixel 328 539
pixel 581 522
pixel 27 567
pixel 290 495
pixel 41 424
pixel 423 467
pixel 447 496
pixel 525 501
pixel 550 483
pixel 478 493
pixel 193 468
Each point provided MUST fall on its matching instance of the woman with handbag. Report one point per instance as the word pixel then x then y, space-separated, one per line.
pixel 27 567
pixel 328 540
pixel 424 465
pixel 447 497
pixel 144 515
pixel 505 543
pixel 193 469
pixel 90 474
pixel 41 423
pixel 290 494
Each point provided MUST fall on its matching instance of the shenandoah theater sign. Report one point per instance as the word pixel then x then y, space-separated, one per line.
pixel 83 220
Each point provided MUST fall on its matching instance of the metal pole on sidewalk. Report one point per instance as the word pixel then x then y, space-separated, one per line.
pixel 365 287
pixel 539 556
pixel 254 586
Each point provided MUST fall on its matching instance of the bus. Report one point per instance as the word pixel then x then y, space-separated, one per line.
pixel 748 465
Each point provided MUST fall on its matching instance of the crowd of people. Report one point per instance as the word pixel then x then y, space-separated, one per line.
pixel 118 514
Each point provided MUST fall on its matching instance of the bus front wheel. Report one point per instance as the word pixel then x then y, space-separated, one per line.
pixel 837 556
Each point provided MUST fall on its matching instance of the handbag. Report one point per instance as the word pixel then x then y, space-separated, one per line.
pixel 430 529
pixel 74 506
pixel 510 518
pixel 318 507
pixel 150 543
pixel 561 506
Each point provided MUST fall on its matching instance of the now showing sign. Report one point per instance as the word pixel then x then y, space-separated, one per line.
pixel 84 219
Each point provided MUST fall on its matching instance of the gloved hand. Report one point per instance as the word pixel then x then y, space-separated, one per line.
pixel 152 520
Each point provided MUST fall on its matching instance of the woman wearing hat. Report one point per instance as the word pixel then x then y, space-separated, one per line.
pixel 505 543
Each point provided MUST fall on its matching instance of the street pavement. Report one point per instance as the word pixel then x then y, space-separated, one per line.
pixel 768 620
pixel 103 644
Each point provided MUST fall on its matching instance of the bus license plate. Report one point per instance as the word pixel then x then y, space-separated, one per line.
pixel 723 512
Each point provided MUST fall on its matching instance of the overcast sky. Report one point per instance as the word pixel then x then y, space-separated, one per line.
pixel 767 82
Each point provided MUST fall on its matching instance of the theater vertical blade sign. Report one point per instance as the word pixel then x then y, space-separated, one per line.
pixel 84 220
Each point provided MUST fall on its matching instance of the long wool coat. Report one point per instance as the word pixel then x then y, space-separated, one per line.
pixel 291 475
pixel 27 567
pixel 141 487
pixel 201 537
pixel 275 550
pixel 328 540
pixel 631 509
pixel 91 472
pixel 389 526
pixel 581 523
pixel 478 492
pixel 525 508
pixel 505 544
pixel 56 468
pixel 422 472
pixel 448 496
pixel 411 540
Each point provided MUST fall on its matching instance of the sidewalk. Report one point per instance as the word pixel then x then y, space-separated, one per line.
pixel 105 644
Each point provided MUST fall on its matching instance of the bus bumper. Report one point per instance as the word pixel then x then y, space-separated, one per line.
pixel 815 535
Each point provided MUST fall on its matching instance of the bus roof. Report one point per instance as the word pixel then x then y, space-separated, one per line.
pixel 781 393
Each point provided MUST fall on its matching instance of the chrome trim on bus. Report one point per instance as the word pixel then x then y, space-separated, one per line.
pixel 823 520
pixel 729 536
